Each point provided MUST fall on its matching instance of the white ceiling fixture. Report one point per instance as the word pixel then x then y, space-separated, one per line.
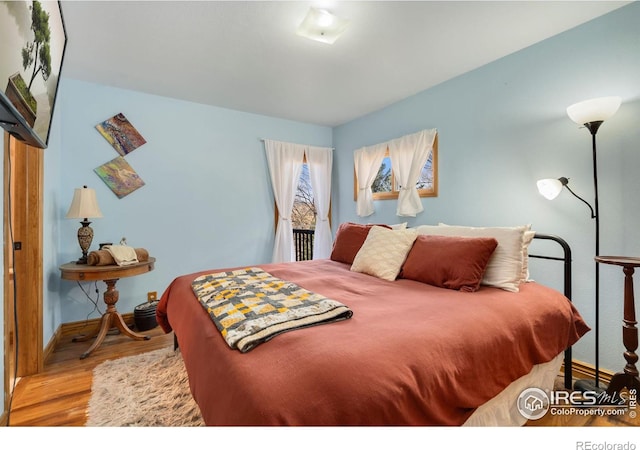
pixel 322 26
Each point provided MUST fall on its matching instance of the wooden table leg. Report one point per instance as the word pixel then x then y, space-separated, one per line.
pixel 629 376
pixel 112 318
pixel 105 324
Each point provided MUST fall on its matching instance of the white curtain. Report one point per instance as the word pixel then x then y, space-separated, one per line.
pixel 367 161
pixel 320 160
pixel 285 164
pixel 408 156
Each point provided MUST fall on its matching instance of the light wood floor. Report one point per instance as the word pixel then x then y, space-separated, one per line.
pixel 59 396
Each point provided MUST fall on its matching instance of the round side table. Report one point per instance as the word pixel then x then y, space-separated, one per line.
pixel 110 275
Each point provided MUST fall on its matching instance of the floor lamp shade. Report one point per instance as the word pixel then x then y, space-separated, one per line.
pixel 594 110
pixel 84 206
pixel 550 188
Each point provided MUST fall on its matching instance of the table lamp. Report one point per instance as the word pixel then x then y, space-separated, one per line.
pixel 84 206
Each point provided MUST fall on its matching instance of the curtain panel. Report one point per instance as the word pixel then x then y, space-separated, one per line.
pixel 367 162
pixel 408 156
pixel 285 165
pixel 320 161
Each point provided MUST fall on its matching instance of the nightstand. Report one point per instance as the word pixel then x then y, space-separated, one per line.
pixel 110 275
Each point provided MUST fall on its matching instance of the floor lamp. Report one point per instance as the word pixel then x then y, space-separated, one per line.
pixel 590 113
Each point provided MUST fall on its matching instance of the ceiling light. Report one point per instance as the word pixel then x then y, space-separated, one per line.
pixel 320 25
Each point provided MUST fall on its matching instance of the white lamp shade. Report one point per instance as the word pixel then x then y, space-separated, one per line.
pixel 84 204
pixel 550 188
pixel 594 110
pixel 320 25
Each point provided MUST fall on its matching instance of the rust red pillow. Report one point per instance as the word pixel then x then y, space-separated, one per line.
pixel 451 262
pixel 349 238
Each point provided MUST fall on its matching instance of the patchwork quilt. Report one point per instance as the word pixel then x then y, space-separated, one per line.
pixel 250 306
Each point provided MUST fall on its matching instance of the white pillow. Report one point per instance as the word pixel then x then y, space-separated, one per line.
pixel 383 252
pixel 505 267
pixel 528 237
pixel 526 241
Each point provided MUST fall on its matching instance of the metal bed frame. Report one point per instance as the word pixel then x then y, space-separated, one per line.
pixel 566 259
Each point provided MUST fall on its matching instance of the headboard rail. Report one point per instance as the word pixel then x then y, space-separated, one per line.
pixel 566 259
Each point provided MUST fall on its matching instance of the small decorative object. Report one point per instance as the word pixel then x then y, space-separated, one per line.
pixel 119 132
pixel 84 206
pixel 119 176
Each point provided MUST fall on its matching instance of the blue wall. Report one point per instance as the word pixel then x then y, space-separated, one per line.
pixel 504 126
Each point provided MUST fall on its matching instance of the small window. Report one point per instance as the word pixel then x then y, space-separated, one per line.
pixel 385 187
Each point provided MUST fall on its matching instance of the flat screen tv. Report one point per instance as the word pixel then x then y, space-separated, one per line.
pixel 32 44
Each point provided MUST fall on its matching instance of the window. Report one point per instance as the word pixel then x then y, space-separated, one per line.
pixel 303 216
pixel 385 187
pixel 285 161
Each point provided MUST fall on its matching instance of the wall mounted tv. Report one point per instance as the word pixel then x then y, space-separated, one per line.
pixel 32 44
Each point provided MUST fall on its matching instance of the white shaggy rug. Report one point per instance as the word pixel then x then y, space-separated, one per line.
pixel 150 389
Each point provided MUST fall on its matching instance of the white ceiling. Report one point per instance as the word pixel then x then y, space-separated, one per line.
pixel 245 55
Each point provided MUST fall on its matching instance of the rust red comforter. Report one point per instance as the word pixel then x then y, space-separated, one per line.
pixel 412 354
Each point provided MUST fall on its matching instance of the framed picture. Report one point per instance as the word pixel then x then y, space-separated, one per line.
pixel 119 176
pixel 32 46
pixel 119 132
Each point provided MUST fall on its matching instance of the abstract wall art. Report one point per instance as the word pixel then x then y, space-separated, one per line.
pixel 121 134
pixel 119 176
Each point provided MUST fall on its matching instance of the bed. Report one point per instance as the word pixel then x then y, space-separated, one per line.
pixel 411 353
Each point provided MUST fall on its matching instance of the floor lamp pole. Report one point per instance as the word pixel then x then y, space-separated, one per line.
pixel 594 130
pixel 586 385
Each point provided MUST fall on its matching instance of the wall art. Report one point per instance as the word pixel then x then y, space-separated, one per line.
pixel 119 132
pixel 119 176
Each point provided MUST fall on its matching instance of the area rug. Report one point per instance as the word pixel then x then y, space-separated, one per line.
pixel 146 390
